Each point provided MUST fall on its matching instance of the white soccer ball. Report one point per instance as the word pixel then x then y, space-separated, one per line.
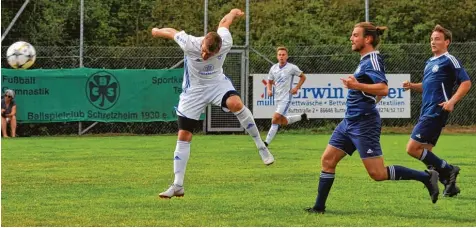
pixel 21 55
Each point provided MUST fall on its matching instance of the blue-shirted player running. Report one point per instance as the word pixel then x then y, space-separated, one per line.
pixel 442 72
pixel 360 129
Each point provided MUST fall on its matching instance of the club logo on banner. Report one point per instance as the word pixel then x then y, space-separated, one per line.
pixel 102 90
pixel 323 96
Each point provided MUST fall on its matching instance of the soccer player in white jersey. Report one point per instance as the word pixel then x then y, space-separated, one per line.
pixel 282 76
pixel 204 83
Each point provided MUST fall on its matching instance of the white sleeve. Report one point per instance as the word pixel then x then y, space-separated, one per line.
pixel 297 71
pixel 270 74
pixel 227 40
pixel 182 39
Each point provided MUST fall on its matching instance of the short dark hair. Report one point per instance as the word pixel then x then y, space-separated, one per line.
pixel 446 32
pixel 213 41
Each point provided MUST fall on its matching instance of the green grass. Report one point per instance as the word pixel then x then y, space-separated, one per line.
pixel 114 181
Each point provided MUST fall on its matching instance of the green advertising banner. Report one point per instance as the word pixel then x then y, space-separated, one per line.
pixel 86 94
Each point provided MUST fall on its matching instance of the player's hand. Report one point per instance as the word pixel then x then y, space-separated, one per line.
pixel 350 82
pixel 294 90
pixel 237 12
pixel 448 106
pixel 270 93
pixel 406 85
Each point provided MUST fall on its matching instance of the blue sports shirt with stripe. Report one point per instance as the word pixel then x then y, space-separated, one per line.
pixel 441 76
pixel 371 70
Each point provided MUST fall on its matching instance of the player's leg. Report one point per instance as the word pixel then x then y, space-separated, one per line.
pixel 286 120
pixel 189 109
pixel 293 119
pixel 4 127
pixel 423 138
pixel 275 124
pixel 225 95
pixel 377 171
pixel 181 156
pixel 283 118
pixel 244 115
pixel 339 146
pixel 365 135
pixel 280 119
pixel 13 126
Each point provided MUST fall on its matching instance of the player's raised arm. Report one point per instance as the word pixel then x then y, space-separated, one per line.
pixel 167 33
pixel 228 19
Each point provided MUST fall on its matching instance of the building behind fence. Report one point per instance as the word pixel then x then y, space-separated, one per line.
pixel 399 58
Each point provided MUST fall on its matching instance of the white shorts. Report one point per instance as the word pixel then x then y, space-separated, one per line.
pixel 193 100
pixel 283 107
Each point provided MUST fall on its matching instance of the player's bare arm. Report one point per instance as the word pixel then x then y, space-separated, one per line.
pixel 379 89
pixel 167 33
pixel 460 93
pixel 227 20
pixel 269 86
pixel 413 86
pixel 302 79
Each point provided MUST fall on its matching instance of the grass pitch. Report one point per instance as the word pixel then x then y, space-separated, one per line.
pixel 114 181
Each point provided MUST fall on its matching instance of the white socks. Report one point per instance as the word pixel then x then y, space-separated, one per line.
pixel 293 119
pixel 181 155
pixel 274 127
pixel 247 121
pixel 272 133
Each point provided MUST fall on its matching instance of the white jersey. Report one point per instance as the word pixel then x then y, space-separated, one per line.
pixel 283 78
pixel 197 71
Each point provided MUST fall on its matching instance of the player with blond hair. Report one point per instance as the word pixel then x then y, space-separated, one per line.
pixel 205 83
pixel 281 75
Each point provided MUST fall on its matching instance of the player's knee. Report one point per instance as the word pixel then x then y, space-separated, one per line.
pixel 328 164
pixel 186 127
pixel 185 135
pixel 276 119
pixel 413 150
pixel 377 175
pixel 284 120
pixel 234 104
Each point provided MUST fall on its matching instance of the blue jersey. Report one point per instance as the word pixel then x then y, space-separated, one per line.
pixel 371 70
pixel 441 75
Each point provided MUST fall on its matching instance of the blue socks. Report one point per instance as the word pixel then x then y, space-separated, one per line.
pixel 396 172
pixel 325 183
pixel 430 159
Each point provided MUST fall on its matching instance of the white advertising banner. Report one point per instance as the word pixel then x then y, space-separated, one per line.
pixel 324 96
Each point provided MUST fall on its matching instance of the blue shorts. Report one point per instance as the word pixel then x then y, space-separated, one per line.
pixel 361 133
pixel 428 130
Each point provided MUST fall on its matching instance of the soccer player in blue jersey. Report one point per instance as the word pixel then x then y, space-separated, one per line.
pixel 442 72
pixel 360 129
